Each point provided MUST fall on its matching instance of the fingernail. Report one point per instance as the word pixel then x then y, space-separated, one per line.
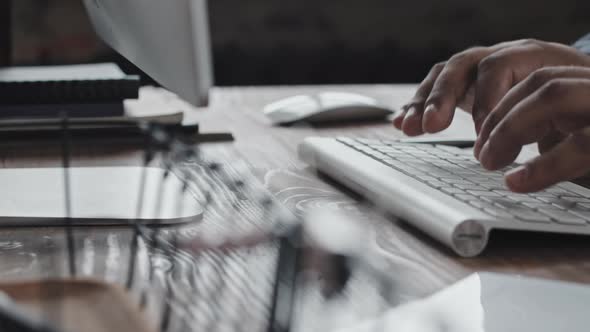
pixel 398 119
pixel 483 155
pixel 411 111
pixel 431 108
pixel 477 148
pixel 399 113
pixel 518 176
pixel 430 120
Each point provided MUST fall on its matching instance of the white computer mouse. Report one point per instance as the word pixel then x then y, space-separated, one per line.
pixel 326 107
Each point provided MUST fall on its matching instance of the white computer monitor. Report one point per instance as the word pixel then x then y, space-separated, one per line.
pixel 167 39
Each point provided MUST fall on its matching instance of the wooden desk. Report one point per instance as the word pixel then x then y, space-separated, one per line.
pixel 417 264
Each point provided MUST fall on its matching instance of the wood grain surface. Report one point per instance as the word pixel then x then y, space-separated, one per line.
pixel 417 265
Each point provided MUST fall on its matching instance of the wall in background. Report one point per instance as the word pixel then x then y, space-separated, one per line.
pixel 373 40
pixel 320 41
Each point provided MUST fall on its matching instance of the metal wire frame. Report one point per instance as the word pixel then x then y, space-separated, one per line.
pixel 174 150
pixel 286 235
pixel 287 232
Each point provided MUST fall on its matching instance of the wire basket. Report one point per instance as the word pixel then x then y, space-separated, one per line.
pixel 248 265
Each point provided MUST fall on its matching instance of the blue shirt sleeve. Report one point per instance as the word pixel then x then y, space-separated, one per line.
pixel 583 44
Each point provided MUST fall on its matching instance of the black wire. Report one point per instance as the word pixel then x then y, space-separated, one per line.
pixel 155 238
pixel 167 313
pixel 284 290
pixel 66 157
pixel 148 156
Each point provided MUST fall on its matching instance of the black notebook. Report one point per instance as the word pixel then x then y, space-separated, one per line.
pixel 79 90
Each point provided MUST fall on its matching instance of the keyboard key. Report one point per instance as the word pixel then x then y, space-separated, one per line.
pixel 481 193
pixel 417 163
pixel 503 203
pixel 542 194
pixel 467 186
pixel 492 186
pixel 377 154
pixel 522 198
pixel 456 180
pixel 576 199
pixel 364 150
pixel 395 155
pixel 430 159
pixel 531 216
pixel 427 178
pixel 464 173
pixel 443 174
pixel 563 217
pixel 582 214
pixel 438 184
pixel 462 181
pixel 367 141
pixel 498 213
pixel 390 162
pixel 420 153
pixel 558 202
pixel 537 205
pixel 482 205
pixel 466 197
pixel 558 191
pixel 457 158
pixel 452 191
pixel 347 140
pixel 387 149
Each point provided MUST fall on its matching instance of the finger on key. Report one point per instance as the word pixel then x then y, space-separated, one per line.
pixel 412 124
pixel 521 91
pixel 567 161
pixel 450 88
pixel 553 106
pixel 419 99
pixel 398 119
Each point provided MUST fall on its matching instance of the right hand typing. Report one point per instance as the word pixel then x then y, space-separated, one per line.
pixel 476 80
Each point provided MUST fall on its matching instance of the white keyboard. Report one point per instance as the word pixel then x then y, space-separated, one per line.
pixel 445 192
pixel 458 175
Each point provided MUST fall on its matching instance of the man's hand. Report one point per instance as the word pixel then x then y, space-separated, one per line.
pixel 552 107
pixel 476 80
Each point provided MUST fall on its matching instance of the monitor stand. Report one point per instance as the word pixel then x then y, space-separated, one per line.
pixel 99 196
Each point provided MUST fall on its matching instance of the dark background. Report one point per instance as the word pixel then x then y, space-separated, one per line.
pixel 262 42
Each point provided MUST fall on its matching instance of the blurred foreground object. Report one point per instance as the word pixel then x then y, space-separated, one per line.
pixel 81 305
pixel 489 302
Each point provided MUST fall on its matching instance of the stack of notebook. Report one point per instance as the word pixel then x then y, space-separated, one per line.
pixel 79 91
pixel 99 100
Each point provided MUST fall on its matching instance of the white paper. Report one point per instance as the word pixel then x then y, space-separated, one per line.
pixel 101 71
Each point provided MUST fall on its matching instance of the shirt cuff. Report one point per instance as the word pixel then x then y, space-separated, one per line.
pixel 583 44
